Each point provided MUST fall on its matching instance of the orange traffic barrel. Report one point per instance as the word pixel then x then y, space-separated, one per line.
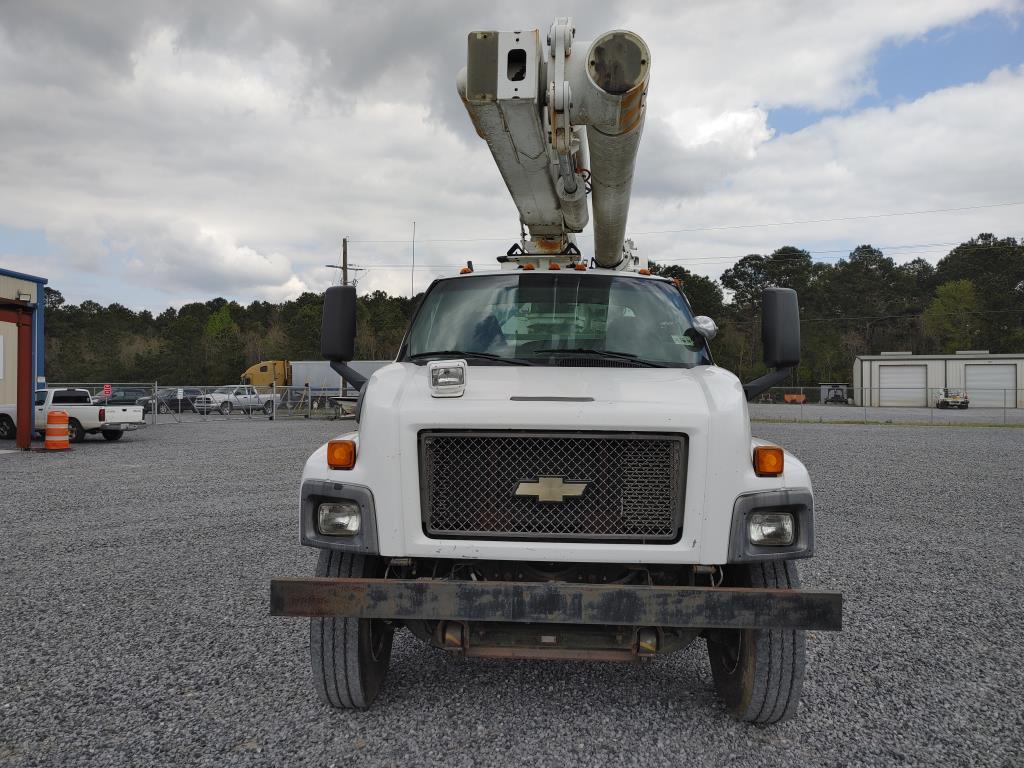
pixel 57 431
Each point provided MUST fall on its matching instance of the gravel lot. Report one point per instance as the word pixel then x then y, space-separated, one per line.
pixel 789 412
pixel 134 626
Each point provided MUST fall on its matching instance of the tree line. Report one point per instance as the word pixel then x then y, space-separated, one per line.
pixel 973 298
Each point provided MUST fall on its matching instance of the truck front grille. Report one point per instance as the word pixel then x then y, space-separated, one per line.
pixel 633 485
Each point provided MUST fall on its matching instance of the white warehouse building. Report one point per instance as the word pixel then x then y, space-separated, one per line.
pixel 905 379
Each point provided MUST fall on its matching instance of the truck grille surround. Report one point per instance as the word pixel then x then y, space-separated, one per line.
pixel 634 485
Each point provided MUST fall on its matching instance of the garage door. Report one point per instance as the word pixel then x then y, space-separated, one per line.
pixel 905 385
pixel 987 385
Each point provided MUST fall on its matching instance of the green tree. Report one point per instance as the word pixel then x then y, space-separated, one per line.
pixel 951 320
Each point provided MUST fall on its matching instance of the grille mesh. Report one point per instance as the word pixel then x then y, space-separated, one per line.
pixel 634 485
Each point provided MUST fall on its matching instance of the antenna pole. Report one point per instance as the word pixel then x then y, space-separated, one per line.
pixel 412 270
pixel 344 261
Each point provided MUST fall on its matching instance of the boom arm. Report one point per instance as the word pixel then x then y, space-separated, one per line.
pixel 557 122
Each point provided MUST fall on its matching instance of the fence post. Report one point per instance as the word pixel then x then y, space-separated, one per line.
pixel 273 400
pixel 309 402
pixel 156 405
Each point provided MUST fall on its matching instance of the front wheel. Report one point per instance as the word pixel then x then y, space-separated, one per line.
pixel 164 409
pixel 225 409
pixel 268 407
pixel 759 673
pixel 7 429
pixel 349 656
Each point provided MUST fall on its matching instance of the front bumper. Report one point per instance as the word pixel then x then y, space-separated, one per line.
pixel 557 603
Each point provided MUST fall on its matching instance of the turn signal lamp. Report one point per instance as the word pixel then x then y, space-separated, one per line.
pixel 581 267
pixel 465 271
pixel 341 454
pixel 644 271
pixel 768 461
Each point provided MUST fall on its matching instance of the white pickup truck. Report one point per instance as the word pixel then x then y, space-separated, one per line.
pixel 84 418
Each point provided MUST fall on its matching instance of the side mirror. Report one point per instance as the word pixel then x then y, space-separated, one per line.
pixel 780 328
pixel 338 327
pixel 338 332
pixel 780 337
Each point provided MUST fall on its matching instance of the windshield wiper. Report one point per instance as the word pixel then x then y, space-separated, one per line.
pixel 598 353
pixel 475 355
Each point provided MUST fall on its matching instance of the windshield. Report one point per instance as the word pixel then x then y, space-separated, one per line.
pixel 224 390
pixel 544 318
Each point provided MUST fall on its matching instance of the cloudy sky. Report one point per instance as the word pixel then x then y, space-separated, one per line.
pixel 158 153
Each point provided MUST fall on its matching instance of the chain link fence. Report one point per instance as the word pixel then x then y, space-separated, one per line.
pixel 892 405
pixel 186 404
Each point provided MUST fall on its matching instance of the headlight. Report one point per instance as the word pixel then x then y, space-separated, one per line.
pixel 338 518
pixel 771 529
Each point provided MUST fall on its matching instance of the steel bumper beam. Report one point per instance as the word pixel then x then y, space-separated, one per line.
pixel 557 603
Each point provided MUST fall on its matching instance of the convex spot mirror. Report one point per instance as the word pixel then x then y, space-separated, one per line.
pixel 705 326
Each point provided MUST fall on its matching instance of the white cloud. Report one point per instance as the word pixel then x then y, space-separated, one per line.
pixel 224 149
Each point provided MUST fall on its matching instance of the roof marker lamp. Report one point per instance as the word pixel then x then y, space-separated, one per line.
pixel 771 529
pixel 338 518
pixel 447 378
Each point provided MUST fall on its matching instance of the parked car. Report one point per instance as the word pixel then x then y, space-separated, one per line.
pixel 122 396
pixel 237 397
pixel 84 417
pixel 169 402
pixel 952 398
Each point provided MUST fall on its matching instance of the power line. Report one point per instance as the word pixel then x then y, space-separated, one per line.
pixel 724 227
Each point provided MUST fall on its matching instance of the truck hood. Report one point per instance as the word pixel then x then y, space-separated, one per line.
pixel 501 396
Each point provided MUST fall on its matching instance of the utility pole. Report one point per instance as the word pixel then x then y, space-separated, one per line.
pixel 412 271
pixel 344 261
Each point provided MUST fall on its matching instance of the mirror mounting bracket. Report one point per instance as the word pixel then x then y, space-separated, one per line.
pixel 349 374
pixel 763 383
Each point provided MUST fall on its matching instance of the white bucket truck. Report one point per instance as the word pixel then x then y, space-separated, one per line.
pixel 554 467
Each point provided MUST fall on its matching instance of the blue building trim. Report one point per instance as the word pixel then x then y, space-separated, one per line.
pixel 38 325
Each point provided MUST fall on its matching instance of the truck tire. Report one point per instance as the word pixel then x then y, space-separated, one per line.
pixel 759 673
pixel 268 407
pixel 112 434
pixel 75 432
pixel 225 409
pixel 7 428
pixel 349 656
pixel 164 408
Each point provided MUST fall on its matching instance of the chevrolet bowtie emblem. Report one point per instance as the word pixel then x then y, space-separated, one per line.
pixel 550 489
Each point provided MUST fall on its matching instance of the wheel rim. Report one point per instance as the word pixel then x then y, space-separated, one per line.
pixel 164 408
pixel 5 429
pixel 72 432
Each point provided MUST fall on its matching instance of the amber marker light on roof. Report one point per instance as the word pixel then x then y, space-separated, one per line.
pixel 465 271
pixel 554 265
pixel 527 266
pixel 341 454
pixel 768 461
pixel 581 267
pixel 644 271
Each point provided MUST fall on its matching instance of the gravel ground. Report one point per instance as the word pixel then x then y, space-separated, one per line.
pixel 134 626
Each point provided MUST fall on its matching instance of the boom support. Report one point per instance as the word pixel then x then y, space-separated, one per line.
pixel 561 123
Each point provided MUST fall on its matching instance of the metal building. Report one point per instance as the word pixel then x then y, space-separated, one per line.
pixel 905 379
pixel 21 346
